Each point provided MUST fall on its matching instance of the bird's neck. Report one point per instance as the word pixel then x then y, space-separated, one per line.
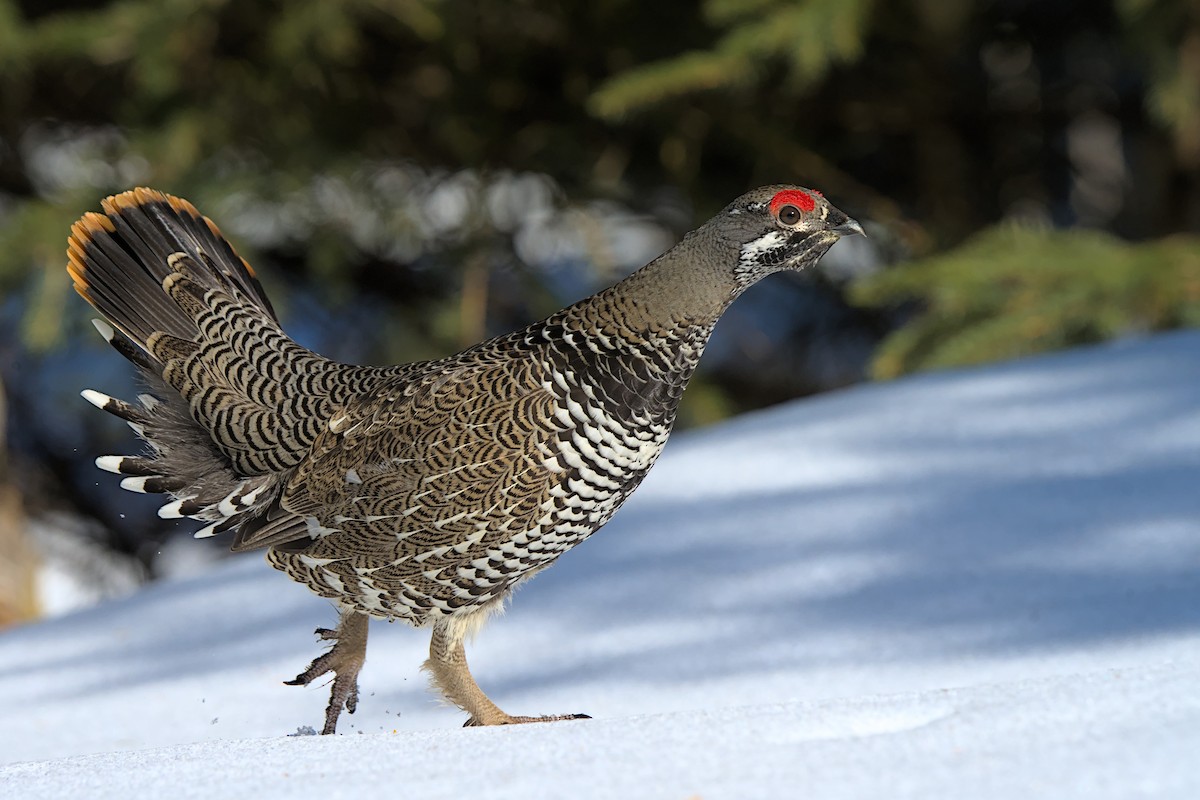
pixel 670 305
pixel 637 343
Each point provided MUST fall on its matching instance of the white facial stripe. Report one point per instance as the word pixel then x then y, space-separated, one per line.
pixel 751 251
pixel 749 267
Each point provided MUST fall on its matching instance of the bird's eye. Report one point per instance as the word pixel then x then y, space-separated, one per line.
pixel 789 215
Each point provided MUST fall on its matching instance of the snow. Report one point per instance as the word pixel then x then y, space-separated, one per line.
pixel 979 583
pixel 75 572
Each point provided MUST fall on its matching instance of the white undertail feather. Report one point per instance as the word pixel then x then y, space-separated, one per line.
pixel 105 402
pixel 208 530
pixel 135 484
pixel 98 399
pixel 110 463
pixel 172 510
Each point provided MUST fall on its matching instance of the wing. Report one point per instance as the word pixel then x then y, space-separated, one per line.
pixel 423 471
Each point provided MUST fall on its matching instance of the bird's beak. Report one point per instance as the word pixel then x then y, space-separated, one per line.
pixel 838 222
pixel 848 228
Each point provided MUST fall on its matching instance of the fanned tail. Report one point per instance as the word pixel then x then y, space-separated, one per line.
pixel 221 417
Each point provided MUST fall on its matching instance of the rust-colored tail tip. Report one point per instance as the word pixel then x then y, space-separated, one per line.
pixel 91 224
pixel 143 195
pixel 83 231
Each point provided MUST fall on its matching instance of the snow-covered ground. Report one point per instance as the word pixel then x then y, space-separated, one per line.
pixel 978 584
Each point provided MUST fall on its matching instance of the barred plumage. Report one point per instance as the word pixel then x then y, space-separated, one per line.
pixel 423 492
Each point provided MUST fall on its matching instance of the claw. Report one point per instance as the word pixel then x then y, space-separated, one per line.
pixel 319 666
pixel 473 723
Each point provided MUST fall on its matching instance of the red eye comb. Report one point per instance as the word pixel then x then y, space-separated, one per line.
pixel 801 200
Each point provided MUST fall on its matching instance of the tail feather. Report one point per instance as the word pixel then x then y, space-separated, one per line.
pixel 234 404
pixel 136 418
pixel 119 260
pixel 124 346
pixel 150 264
pixel 127 465
pixel 182 460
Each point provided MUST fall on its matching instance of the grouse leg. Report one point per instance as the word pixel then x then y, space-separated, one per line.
pixel 448 665
pixel 344 660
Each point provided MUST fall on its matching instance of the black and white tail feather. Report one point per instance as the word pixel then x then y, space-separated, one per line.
pixel 232 402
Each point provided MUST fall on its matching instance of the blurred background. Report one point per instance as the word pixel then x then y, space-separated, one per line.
pixel 411 176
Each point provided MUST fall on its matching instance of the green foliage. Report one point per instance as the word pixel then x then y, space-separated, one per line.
pixel 1166 34
pixel 652 83
pixel 806 37
pixel 34 234
pixel 1012 291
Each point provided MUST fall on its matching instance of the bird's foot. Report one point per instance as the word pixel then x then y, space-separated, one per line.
pixel 345 660
pixel 508 719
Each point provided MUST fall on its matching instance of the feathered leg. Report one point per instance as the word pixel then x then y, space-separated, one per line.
pixel 448 666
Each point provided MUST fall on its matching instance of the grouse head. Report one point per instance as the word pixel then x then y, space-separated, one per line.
pixel 770 229
pixel 777 228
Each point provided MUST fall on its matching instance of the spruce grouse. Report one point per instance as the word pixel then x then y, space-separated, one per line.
pixel 423 492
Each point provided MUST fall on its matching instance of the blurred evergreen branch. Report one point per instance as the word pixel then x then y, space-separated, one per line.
pixel 807 37
pixel 1014 291
pixel 1166 34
